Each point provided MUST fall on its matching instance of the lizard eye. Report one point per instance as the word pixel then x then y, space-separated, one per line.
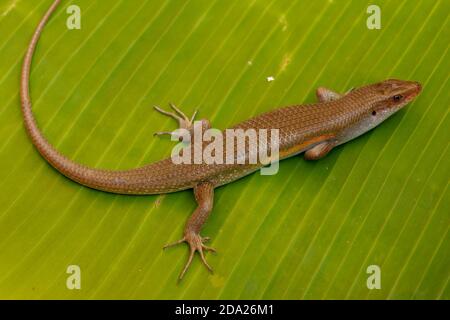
pixel 397 97
pixel 374 113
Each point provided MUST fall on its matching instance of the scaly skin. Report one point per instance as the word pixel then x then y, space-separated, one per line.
pixel 312 128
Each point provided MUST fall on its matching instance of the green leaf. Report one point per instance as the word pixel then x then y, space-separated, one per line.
pixel 311 231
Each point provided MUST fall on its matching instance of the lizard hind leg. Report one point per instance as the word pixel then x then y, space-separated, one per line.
pixel 204 195
pixel 184 122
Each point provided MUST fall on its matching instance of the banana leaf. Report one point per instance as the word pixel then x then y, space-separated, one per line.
pixel 309 232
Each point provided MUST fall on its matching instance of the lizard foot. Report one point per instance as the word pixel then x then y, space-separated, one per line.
pixel 196 243
pixel 183 121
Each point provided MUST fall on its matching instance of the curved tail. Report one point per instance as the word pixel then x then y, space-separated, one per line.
pixel 84 175
pixel 106 180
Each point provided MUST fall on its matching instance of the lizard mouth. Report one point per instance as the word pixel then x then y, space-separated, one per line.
pixel 415 90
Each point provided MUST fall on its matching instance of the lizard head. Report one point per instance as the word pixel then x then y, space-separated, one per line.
pixel 386 97
pixel 392 95
pixel 380 101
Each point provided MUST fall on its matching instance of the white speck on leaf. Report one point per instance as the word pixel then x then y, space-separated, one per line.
pixel 270 79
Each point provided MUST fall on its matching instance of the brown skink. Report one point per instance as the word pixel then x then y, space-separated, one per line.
pixel 312 129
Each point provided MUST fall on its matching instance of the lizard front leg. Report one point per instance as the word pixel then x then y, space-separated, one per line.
pixel 319 151
pixel 327 95
pixel 204 195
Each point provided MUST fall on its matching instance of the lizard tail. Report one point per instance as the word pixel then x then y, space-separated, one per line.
pixel 149 179
pixel 106 180
pixel 79 173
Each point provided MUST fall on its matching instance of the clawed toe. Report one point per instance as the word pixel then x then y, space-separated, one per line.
pixel 195 242
pixel 174 243
pixel 183 121
pixel 209 249
pixel 160 133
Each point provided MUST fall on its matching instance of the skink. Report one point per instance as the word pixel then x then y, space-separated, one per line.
pixel 312 129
